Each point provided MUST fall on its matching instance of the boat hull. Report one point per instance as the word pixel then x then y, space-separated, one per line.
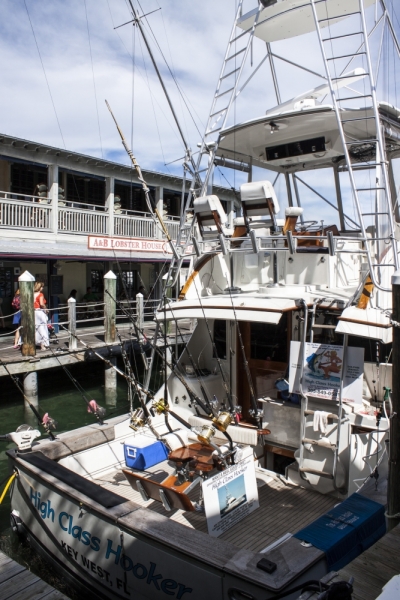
pixel 126 551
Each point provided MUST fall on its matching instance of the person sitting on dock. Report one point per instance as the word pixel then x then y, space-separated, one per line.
pixel 16 304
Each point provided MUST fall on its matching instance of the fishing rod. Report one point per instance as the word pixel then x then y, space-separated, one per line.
pixel 255 412
pixel 92 405
pixel 132 378
pixel 141 416
pixel 225 384
pixel 221 422
pixel 142 352
pixel 109 363
pixel 193 396
pixel 149 201
pixel 195 368
pixel 137 21
pixel 48 422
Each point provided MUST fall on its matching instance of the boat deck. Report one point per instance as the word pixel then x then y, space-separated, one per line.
pixel 283 508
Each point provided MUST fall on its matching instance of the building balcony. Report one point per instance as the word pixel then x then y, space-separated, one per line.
pixel 60 218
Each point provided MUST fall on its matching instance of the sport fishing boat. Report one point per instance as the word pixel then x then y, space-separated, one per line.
pixel 261 462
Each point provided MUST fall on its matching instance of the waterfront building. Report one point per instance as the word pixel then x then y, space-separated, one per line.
pixel 68 218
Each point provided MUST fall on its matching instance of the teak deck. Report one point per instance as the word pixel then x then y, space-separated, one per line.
pixel 283 508
pixel 17 583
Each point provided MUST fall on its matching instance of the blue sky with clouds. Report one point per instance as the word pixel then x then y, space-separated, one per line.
pixel 83 70
pixel 57 97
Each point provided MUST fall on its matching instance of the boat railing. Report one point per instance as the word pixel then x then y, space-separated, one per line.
pixel 288 243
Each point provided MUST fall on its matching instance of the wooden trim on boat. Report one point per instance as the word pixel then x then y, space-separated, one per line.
pixel 389 326
pixel 199 265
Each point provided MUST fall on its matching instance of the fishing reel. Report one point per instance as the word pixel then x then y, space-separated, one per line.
pixel 256 413
pixel 49 423
pixel 22 437
pixel 160 406
pixel 221 422
pixel 138 419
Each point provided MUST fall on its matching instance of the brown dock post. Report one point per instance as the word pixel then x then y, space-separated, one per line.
pixel 73 342
pixel 110 374
pixel 26 281
pixel 393 511
pixel 110 294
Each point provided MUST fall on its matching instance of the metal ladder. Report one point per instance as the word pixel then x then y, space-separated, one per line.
pixel 305 412
pixel 225 95
pixel 226 91
pixel 384 209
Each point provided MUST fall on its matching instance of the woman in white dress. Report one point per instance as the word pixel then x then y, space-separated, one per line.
pixel 41 319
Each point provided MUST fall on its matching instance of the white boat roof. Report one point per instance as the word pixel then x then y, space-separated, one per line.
pixel 248 141
pixel 286 19
pixel 247 308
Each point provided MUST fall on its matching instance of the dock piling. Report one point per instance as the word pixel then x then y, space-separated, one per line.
pixel 73 344
pixel 26 281
pixel 31 389
pixel 110 375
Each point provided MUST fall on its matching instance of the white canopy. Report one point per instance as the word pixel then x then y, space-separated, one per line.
pixel 290 18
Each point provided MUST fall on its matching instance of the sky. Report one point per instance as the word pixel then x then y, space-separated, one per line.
pixel 61 60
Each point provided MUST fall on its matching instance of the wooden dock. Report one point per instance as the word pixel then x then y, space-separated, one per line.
pixel 12 361
pixel 375 567
pixel 17 583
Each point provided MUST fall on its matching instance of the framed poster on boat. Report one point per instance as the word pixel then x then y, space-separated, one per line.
pixel 323 371
pixel 230 496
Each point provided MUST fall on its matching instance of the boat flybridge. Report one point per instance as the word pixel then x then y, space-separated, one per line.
pixel 261 462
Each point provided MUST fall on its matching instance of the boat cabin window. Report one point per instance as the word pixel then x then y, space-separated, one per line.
pixel 268 341
pixel 220 338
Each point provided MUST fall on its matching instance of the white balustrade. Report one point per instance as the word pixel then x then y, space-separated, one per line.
pixel 134 226
pixel 31 212
pixel 82 219
pixel 24 212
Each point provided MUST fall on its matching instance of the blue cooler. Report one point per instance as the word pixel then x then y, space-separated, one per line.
pixel 142 453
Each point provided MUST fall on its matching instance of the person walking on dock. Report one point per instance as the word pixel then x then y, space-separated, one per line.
pixel 16 304
pixel 39 303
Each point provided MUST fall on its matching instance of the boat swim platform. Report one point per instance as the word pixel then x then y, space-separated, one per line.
pixel 283 509
pixel 59 353
pixel 375 567
pixel 17 583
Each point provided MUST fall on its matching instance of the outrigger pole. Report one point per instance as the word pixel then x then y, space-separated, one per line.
pixel 137 22
pixel 149 201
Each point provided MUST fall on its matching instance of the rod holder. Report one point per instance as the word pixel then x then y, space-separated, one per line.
pixel 290 242
pixel 253 239
pixel 196 247
pixel 331 243
pixel 223 245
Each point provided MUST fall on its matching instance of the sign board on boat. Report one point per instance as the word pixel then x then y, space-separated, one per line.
pixel 230 496
pixel 322 371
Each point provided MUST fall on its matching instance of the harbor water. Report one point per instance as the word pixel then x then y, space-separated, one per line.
pixel 61 399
